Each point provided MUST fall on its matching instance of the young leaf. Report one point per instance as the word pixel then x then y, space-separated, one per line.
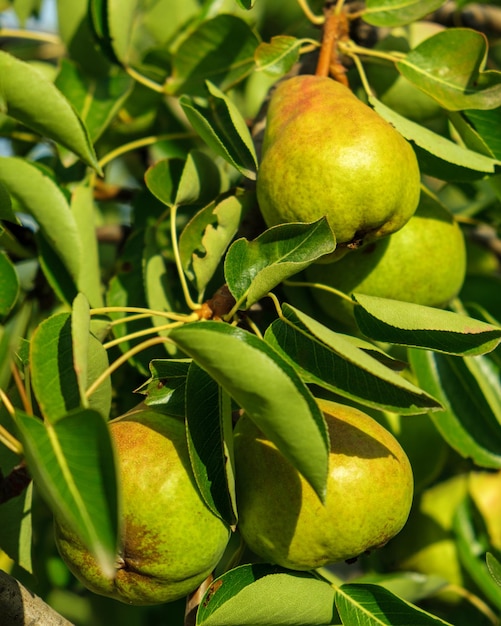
pixel 410 324
pixel 222 48
pixel 207 235
pixel 260 595
pixel 72 464
pixel 267 388
pixel 468 422
pixel 373 605
pixel 277 57
pixel 448 66
pixel 222 127
pixel 331 361
pixel 209 434
pixel 27 96
pixel 438 155
pixel 253 268
pixel 9 285
pixel 396 13
pixel 46 203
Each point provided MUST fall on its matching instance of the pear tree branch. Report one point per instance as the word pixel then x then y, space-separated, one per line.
pixel 21 607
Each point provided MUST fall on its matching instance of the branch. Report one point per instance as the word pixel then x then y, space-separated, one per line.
pixel 20 607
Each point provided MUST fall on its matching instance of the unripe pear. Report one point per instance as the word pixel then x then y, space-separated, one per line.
pixel 170 540
pixel 326 153
pixel 423 263
pixel 369 493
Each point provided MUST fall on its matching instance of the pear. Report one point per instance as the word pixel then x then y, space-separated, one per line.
pixel 170 540
pixel 369 493
pixel 326 153
pixel 423 263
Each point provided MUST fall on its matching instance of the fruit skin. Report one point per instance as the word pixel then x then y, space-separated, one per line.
pixel 424 263
pixel 170 540
pixel 326 153
pixel 369 493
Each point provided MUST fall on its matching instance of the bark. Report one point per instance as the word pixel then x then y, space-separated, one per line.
pixel 21 607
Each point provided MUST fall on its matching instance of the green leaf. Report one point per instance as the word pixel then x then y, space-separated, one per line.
pixel 176 182
pixel 221 125
pixel 494 567
pixel 277 57
pixel 267 388
pixel 80 330
pixel 439 156
pixel 9 285
pixel 472 554
pixel 74 28
pixel 396 12
pixel 332 361
pixel 166 388
pixel 45 202
pixel 448 66
pixel 27 96
pixel 207 235
pixel 95 99
pixel 469 422
pixel 72 464
pixel 487 125
pixel 89 278
pixel 209 433
pixel 120 18
pixel 410 324
pixel 222 48
pixel 373 605
pixel 55 381
pixel 6 211
pixel 260 595
pixel 16 537
pixel 253 268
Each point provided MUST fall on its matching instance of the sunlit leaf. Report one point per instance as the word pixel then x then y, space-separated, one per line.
pixel 260 595
pixel 411 324
pixel 72 463
pixel 27 96
pixel 396 12
pixel 253 268
pixel 373 605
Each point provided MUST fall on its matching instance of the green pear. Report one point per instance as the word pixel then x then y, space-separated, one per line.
pixel 369 493
pixel 424 263
pixel 170 540
pixel 326 153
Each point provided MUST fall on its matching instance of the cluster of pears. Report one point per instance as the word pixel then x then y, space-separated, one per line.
pixel 170 540
pixel 326 153
pixel 368 499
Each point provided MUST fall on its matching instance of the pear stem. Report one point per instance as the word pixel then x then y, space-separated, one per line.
pixel 335 29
